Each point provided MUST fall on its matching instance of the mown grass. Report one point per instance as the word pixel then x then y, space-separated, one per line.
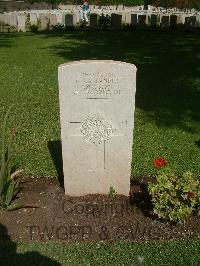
pixel 167 118
pixel 178 253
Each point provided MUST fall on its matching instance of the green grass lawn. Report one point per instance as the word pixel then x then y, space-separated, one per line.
pixel 178 253
pixel 167 120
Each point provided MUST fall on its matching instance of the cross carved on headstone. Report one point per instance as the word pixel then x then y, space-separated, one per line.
pixel 97 130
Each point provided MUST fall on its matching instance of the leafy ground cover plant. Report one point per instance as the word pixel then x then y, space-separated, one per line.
pixel 112 193
pixel 9 181
pixel 174 197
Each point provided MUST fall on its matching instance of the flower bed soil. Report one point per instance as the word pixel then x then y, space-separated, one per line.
pixel 50 215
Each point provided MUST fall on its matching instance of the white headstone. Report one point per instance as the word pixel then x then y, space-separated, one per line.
pixel 44 21
pixel 128 18
pixel 33 19
pixel 97 102
pixel 59 16
pixel 13 19
pixel 21 23
pixel 53 19
pixel 198 21
pixel 7 18
pixel 2 18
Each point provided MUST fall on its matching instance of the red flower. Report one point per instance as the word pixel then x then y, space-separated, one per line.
pixel 191 194
pixel 160 162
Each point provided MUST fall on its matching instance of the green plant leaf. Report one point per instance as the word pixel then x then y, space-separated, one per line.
pixel 14 207
pixel 3 173
pixel 3 136
pixel 10 193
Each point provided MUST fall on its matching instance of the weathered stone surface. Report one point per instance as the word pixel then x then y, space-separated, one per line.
pixel 97 101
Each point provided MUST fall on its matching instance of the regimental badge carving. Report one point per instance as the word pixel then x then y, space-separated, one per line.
pixel 96 129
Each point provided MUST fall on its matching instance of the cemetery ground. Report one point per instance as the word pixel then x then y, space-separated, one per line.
pixel 166 124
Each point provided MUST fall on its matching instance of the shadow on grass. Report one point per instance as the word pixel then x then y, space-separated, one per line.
pixel 168 76
pixel 55 149
pixel 9 256
pixel 140 198
pixel 6 39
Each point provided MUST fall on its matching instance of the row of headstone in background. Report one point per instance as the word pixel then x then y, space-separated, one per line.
pixel 128 8
pixel 164 21
pixel 19 19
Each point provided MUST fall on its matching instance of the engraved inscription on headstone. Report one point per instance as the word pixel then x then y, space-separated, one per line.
pixel 100 84
pixel 97 101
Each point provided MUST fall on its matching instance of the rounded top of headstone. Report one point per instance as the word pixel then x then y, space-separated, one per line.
pixel 111 62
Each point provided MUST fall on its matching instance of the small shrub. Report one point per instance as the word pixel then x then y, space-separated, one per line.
pixel 81 25
pixel 34 28
pixel 112 193
pixel 9 182
pixel 12 29
pixel 69 28
pixel 175 198
pixel 127 27
pixel 58 27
